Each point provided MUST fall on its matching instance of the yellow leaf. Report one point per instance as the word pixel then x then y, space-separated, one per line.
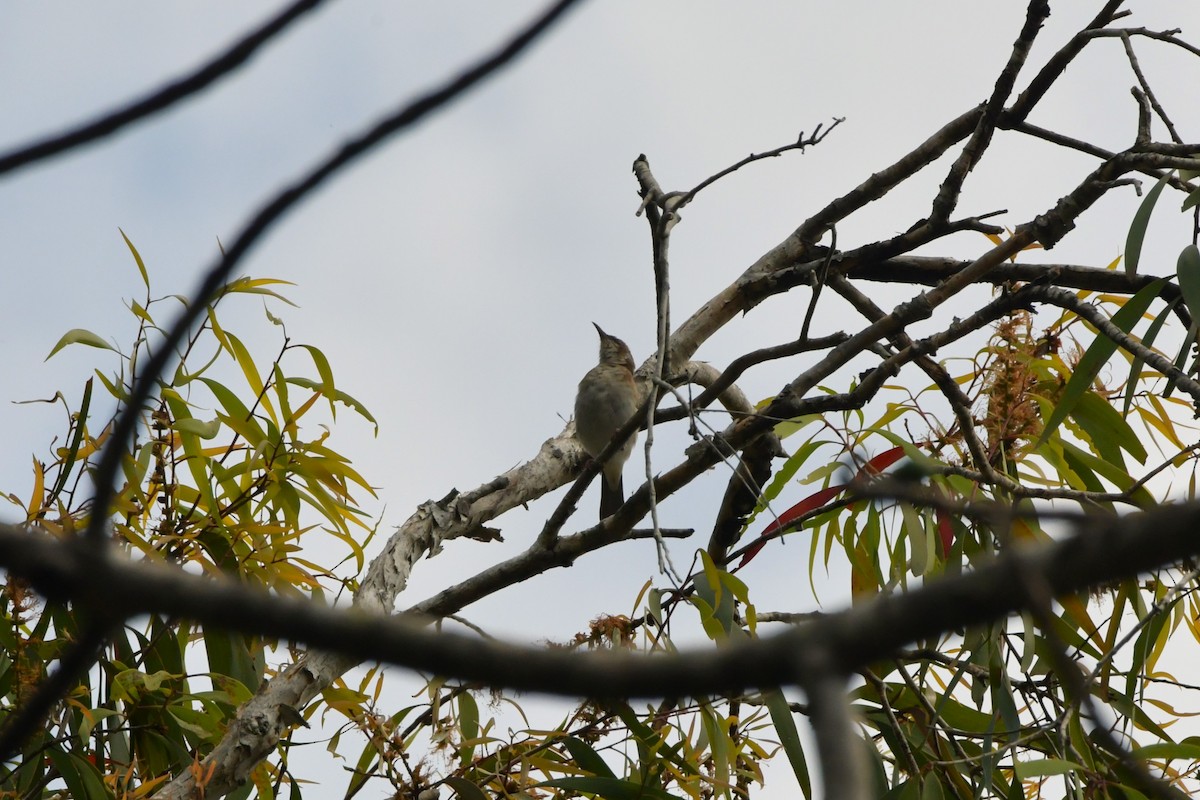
pixel 250 371
pixel 80 336
pixel 1076 609
pixel 39 488
pixel 137 257
pixel 1163 426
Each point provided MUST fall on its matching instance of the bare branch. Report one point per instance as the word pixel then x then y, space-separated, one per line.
pixel 1149 93
pixel 947 197
pixel 1058 63
pixel 879 184
pixel 801 144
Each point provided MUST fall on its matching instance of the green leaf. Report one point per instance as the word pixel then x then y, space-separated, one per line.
pixel 718 609
pixel 238 417
pixel 82 779
pixel 93 718
pixel 140 312
pixel 80 336
pixel 789 738
pixel 468 725
pixel 324 370
pixel 1002 694
pixel 205 430
pixel 719 743
pixel 137 257
pixel 1107 429
pixel 465 789
pixel 78 425
pixel 229 656
pixel 1187 271
pixel 1135 369
pixel 784 477
pixel 248 285
pixel 1137 229
pixel 1080 463
pixel 587 758
pixel 1180 362
pixel 789 426
pixel 1097 355
pixel 196 461
pixel 1192 200
pixel 610 788
pixel 931 789
pixel 1044 767
pixel 654 605
pixel 1168 751
pixel 1132 711
pixel 249 369
pixel 651 744
pixel 340 396
pixel 364 771
pixel 207 725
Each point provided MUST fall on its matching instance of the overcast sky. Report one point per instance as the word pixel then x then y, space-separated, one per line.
pixel 452 276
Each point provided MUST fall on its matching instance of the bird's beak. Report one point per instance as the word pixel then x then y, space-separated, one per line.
pixel 600 331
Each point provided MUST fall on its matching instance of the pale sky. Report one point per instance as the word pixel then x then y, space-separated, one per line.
pixel 451 277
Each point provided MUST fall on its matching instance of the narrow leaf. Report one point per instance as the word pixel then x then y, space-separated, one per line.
pixel 877 464
pixel 80 424
pixel 813 501
pixel 465 789
pixel 789 738
pixel 1043 767
pixel 137 257
pixel 608 788
pixel 1097 355
pixel 784 476
pixel 80 336
pixel 1135 369
pixel 468 725
pixel 205 430
pixel 1137 229
pixel 1187 270
pixel 1192 200
pixel 587 758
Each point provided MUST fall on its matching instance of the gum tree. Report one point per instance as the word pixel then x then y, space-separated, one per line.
pixel 1017 560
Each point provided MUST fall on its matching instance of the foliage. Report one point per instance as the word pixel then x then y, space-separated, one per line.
pixel 233 475
pixel 228 477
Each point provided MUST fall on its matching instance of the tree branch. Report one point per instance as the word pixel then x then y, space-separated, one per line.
pixel 1107 548
pixel 239 53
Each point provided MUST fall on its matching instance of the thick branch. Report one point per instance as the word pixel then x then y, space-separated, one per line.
pixel 1108 548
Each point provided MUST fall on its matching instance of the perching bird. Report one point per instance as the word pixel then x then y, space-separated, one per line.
pixel 606 400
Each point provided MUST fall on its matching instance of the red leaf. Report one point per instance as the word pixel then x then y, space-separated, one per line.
pixel 814 500
pixel 945 532
pixel 879 463
pixel 751 552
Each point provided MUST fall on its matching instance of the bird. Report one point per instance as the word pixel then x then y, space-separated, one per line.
pixel 607 398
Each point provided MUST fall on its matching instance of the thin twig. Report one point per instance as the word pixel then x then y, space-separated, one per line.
pixel 819 279
pixel 801 143
pixel 662 220
pixel 107 124
pixel 1145 84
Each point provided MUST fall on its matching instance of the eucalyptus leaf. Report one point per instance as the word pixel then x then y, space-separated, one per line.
pixel 1137 229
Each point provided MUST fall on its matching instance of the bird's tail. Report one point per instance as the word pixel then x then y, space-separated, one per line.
pixel 611 497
